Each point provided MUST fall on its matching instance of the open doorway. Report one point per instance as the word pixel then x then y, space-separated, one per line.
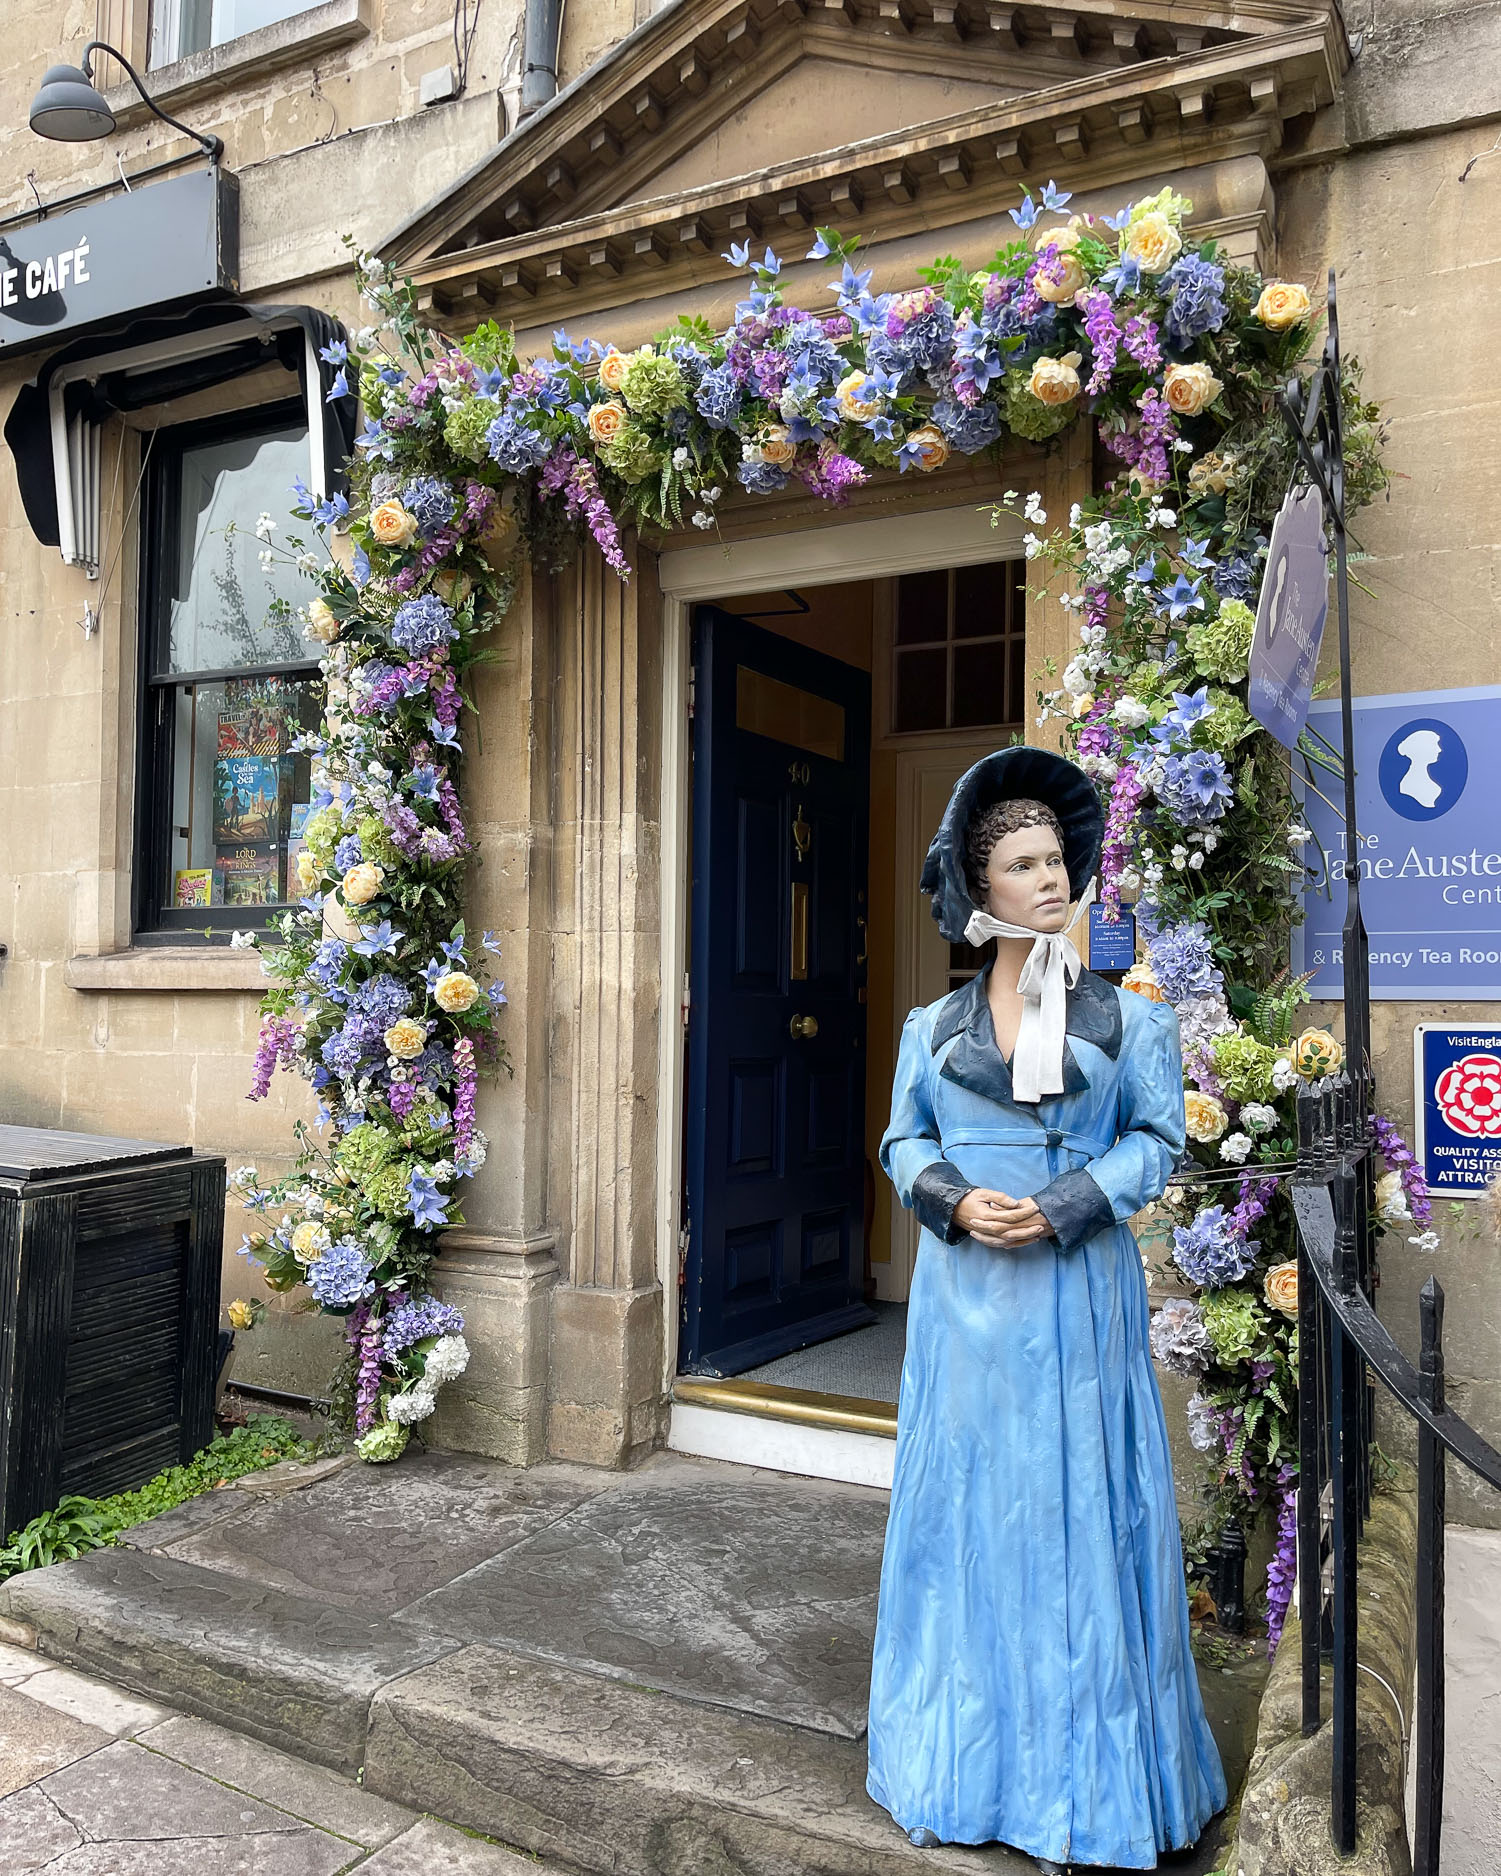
pixel 830 723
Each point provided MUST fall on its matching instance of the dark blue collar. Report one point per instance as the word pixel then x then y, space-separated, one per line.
pixel 975 1061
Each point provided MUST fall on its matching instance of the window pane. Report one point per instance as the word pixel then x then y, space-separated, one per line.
pixel 767 707
pixel 921 690
pixel 980 599
pixel 179 27
pixel 980 684
pixel 226 608
pixel 922 608
pixel 240 798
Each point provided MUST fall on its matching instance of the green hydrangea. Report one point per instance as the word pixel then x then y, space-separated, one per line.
pixel 1226 725
pixel 652 386
pixel 465 429
pixel 1244 1066
pixel 376 844
pixel 365 1150
pixel 1027 416
pixel 631 454
pixel 322 832
pixel 1177 208
pixel 386 1191
pixel 1221 646
pixel 385 1441
pixel 427 1124
pixel 1236 1323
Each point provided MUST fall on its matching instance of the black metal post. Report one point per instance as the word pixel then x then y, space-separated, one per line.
pixel 1429 1721
pixel 1229 1592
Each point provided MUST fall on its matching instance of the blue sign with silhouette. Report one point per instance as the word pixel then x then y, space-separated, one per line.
pixel 1428 781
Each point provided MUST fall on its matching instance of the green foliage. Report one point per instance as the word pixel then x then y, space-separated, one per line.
pixel 79 1525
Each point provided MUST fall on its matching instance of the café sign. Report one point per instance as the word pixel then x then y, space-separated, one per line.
pixel 136 251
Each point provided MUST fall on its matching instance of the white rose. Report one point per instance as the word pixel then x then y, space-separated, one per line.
pixel 1236 1148
pixel 1130 713
pixel 1076 680
pixel 1259 1116
pixel 1284 1075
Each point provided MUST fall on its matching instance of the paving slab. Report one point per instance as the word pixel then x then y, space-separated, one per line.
pixel 310 1792
pixel 296 1673
pixel 624 1781
pixel 36 1740
pixel 752 1591
pixel 433 1849
pixel 378 1538
pixel 95 1702
pixel 185 1520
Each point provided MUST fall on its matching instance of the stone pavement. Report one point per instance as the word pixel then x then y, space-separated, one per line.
pixel 657 1673
pixel 94 1782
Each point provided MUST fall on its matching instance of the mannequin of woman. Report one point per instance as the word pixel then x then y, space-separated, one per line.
pixel 1033 1682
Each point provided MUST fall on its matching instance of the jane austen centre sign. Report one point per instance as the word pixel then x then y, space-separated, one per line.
pixel 141 249
pixel 1427 783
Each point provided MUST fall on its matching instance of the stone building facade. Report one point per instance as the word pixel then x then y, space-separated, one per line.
pixel 1304 137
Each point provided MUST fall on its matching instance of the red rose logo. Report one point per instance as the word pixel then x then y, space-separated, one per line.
pixel 1469 1096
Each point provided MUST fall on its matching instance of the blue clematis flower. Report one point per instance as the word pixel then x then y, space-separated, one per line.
pixel 1181 598
pixel 359 570
pixel 1188 709
pixel 1026 216
pixel 738 255
pixel 1117 223
pixel 331 512
pixel 339 387
pixel 427 1205
pixel 1055 198
pixel 497 995
pixel 851 286
pixel 435 969
pixel 491 942
pixel 442 734
pixel 1196 554
pixel 423 782
pixel 302 499
pixel 380 938
pixel 452 949
pixel 1145 572
pixel 335 354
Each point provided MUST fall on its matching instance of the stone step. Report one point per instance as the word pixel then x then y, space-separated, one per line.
pixel 620 1780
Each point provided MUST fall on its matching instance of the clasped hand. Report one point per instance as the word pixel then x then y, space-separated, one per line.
pixel 1001 1222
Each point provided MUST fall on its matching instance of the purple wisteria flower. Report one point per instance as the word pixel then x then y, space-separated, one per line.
pixel 1400 1157
pixel 340 1278
pixel 421 625
pixel 1183 963
pixel 1209 1251
pixel 1104 338
pixel 1195 787
pixel 1180 1341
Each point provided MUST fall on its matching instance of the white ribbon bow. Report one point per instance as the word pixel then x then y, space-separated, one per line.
pixel 1052 965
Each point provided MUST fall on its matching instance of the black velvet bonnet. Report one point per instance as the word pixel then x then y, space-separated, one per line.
pixel 1016 774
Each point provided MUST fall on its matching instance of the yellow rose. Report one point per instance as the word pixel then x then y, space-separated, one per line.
pixel 307 871
pixel 1153 243
pixel 1055 380
pixel 931 445
pixel 309 1241
pixel 1083 705
pixel 1062 278
pixel 455 991
pixel 1190 389
pixel 321 623
pixel 1142 979
pixel 361 883
pixel 392 526
pixel 1207 1120
pixel 1316 1054
pixel 1283 303
pixel 851 403
pixel 776 446
pixel 1281 1287
pixel 612 370
pixel 241 1315
pixel 607 420
pixel 405 1039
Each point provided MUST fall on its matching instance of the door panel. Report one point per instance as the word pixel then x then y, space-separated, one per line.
pixel 776 1040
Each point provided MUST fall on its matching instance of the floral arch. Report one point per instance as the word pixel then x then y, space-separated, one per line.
pixel 384 1000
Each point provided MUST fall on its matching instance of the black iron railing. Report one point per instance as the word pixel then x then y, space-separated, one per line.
pixel 1344 1350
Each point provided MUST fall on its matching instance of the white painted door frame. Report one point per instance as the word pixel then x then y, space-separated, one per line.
pixel 822 556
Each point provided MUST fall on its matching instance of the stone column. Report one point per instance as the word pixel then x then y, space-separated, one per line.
pixel 1061 478
pixel 606 1403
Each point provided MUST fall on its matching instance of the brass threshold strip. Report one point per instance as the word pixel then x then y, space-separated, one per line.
pixel 796 1404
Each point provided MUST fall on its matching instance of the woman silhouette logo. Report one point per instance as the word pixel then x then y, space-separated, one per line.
pixel 1423 769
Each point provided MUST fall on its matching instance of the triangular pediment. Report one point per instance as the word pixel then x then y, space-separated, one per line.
pixel 719 119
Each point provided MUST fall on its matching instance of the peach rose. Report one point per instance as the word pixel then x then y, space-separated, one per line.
pixel 1207 1120
pixel 1281 1287
pixel 1316 1054
pixel 1142 979
pixel 1055 380
pixel 405 1039
pixel 607 420
pixel 361 883
pixel 1153 243
pixel 851 402
pixel 455 991
pixel 612 370
pixel 1190 389
pixel 931 445
pixel 776 446
pixel 392 526
pixel 1283 303
pixel 1063 278
pixel 452 587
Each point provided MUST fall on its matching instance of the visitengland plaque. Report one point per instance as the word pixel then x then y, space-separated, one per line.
pixel 1457 1099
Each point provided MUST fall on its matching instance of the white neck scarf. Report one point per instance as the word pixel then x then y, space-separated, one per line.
pixel 1051 967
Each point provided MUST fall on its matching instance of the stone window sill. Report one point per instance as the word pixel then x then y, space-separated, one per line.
pixel 168 967
pixel 216 69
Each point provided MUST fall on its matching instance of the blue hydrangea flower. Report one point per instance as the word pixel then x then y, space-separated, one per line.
pixel 1183 963
pixel 414 1321
pixel 421 625
pixel 340 1278
pixel 1210 1252
pixel 1236 578
pixel 515 444
pixel 1195 787
pixel 1195 287
pixel 345 1048
pixel 430 502
pixel 761 478
pixel 968 429
pixel 347 853
pixel 328 963
pixel 718 397
pixel 690 361
pixel 382 999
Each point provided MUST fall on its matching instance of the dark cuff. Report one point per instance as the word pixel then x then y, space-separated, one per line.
pixel 936 1190
pixel 1075 1207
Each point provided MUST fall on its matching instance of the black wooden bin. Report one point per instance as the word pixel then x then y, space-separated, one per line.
pixel 109 1310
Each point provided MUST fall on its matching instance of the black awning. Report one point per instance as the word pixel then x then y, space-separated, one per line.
pixel 284 335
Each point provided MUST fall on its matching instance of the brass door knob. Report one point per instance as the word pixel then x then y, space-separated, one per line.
pixel 803 1028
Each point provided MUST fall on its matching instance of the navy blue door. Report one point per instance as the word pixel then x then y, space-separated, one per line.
pixel 776 1029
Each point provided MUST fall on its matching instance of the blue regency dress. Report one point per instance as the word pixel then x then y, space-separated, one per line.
pixel 1032 1680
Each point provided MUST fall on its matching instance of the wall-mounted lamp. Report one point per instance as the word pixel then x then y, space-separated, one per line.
pixel 69 109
